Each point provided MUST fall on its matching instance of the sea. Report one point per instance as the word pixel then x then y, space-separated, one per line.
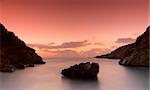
pixel 111 76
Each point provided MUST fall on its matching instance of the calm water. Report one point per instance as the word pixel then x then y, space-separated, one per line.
pixel 47 77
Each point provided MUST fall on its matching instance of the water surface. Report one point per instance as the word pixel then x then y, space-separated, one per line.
pixel 47 77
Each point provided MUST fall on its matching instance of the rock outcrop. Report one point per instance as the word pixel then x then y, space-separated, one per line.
pixel 135 54
pixel 118 53
pixel 82 71
pixel 14 52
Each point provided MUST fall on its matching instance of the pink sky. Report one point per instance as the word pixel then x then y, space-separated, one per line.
pixel 104 24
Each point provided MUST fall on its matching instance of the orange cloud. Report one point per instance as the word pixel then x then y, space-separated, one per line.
pixel 72 53
pixel 83 48
pixel 98 43
pixel 63 45
pixel 125 40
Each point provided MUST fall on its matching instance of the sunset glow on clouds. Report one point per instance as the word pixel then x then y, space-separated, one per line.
pixel 125 40
pixel 70 49
pixel 57 28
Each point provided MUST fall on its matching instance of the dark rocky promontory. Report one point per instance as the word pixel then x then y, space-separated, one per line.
pixel 135 54
pixel 14 53
pixel 82 71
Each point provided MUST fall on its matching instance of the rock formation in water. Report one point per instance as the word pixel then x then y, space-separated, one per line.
pixel 15 53
pixel 82 71
pixel 135 54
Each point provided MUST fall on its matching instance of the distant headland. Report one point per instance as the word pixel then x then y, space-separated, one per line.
pixel 135 54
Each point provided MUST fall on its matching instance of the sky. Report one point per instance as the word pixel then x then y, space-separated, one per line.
pixel 75 28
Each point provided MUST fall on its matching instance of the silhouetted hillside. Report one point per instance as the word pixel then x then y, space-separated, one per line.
pixel 135 54
pixel 14 51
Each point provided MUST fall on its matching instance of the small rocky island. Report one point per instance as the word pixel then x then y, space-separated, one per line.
pixel 135 54
pixel 14 53
pixel 82 71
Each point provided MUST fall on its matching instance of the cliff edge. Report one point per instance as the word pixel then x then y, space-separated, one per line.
pixel 135 54
pixel 14 52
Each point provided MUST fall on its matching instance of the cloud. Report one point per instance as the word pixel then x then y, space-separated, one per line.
pixel 58 53
pixel 95 51
pixel 70 49
pixel 66 53
pixel 62 46
pixel 72 44
pixel 98 43
pixel 114 47
pixel 40 46
pixel 73 53
pixel 125 40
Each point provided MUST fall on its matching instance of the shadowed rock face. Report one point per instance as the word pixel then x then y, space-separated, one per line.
pixel 138 55
pixel 82 71
pixel 118 53
pixel 135 54
pixel 14 51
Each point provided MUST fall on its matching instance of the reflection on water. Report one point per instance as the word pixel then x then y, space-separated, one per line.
pixel 81 84
pixel 47 77
pixel 138 76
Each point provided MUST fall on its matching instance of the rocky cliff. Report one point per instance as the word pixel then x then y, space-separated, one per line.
pixel 14 51
pixel 135 54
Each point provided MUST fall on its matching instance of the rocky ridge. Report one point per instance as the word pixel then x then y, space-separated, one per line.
pixel 14 53
pixel 135 54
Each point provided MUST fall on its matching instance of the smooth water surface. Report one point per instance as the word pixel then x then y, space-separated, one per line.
pixel 112 76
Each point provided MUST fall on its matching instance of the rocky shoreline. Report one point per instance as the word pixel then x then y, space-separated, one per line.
pixel 135 54
pixel 14 53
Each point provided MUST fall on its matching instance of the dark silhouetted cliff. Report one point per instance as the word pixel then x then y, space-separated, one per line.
pixel 135 54
pixel 14 51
